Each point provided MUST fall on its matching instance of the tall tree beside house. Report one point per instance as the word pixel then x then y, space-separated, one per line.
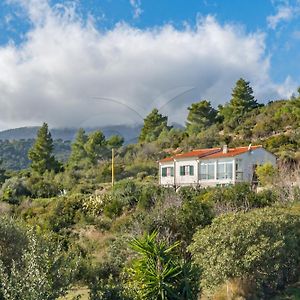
pixel 201 116
pixel 154 124
pixel 78 152
pixel 40 154
pixel 242 102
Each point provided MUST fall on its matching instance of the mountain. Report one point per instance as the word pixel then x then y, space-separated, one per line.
pixel 15 143
pixel 129 133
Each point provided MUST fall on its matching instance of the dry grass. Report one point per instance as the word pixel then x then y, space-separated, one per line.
pixel 235 289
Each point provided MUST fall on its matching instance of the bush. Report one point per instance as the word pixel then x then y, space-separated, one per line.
pixel 114 208
pixel 31 268
pixel 13 190
pixel 103 223
pixel 150 195
pixel 124 196
pixel 261 246
pixel 237 197
pixel 173 217
pixel 266 174
pixel 65 213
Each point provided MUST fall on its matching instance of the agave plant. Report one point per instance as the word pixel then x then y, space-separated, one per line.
pixel 157 271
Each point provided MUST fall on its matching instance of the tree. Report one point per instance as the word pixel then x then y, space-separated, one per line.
pixel 78 152
pixel 261 246
pixel 201 115
pixel 115 141
pixel 95 146
pixel 154 124
pixel 40 154
pixel 242 101
pixel 2 174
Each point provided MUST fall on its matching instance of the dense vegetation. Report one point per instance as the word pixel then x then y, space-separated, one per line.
pixel 65 231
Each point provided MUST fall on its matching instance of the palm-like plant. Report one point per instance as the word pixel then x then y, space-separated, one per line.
pixel 157 271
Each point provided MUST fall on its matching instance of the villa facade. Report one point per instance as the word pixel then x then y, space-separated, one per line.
pixel 213 167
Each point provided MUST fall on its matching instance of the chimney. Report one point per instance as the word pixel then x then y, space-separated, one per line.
pixel 225 149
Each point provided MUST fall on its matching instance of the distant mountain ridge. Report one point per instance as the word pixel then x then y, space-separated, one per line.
pixel 129 133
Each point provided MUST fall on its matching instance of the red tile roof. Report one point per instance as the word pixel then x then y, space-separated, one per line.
pixel 167 159
pixel 198 153
pixel 211 153
pixel 231 152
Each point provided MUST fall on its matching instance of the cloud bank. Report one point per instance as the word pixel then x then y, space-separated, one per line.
pixel 64 62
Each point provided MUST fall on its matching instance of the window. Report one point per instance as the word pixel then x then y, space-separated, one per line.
pixel 238 169
pixel 207 171
pixel 224 170
pixel 186 170
pixel 167 172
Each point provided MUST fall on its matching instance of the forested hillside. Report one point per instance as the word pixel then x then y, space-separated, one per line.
pixel 15 143
pixel 66 231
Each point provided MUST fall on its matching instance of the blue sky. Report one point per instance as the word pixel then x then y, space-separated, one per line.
pixel 265 34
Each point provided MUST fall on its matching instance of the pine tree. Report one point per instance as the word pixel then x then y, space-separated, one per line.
pixel 154 124
pixel 96 146
pixel 115 141
pixel 201 116
pixel 40 154
pixel 242 95
pixel 78 152
pixel 241 103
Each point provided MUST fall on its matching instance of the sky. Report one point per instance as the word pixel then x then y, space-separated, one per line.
pixel 109 62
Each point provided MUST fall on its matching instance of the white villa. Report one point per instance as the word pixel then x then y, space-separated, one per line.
pixel 213 167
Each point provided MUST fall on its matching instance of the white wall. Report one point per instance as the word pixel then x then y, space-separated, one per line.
pixel 169 180
pixel 257 156
pixel 186 179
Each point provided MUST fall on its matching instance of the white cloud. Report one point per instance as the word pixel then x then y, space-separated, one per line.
pixel 136 5
pixel 64 62
pixel 284 13
pixel 286 10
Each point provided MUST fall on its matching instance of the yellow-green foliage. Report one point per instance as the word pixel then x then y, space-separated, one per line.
pixel 266 173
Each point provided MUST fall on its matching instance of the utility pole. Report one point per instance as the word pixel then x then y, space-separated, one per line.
pixel 112 166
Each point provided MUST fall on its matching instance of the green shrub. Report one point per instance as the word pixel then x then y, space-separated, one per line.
pixel 32 268
pixel 261 246
pixel 66 212
pixel 150 195
pixel 266 174
pixel 237 197
pixel 114 208
pixel 103 223
pixel 14 189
